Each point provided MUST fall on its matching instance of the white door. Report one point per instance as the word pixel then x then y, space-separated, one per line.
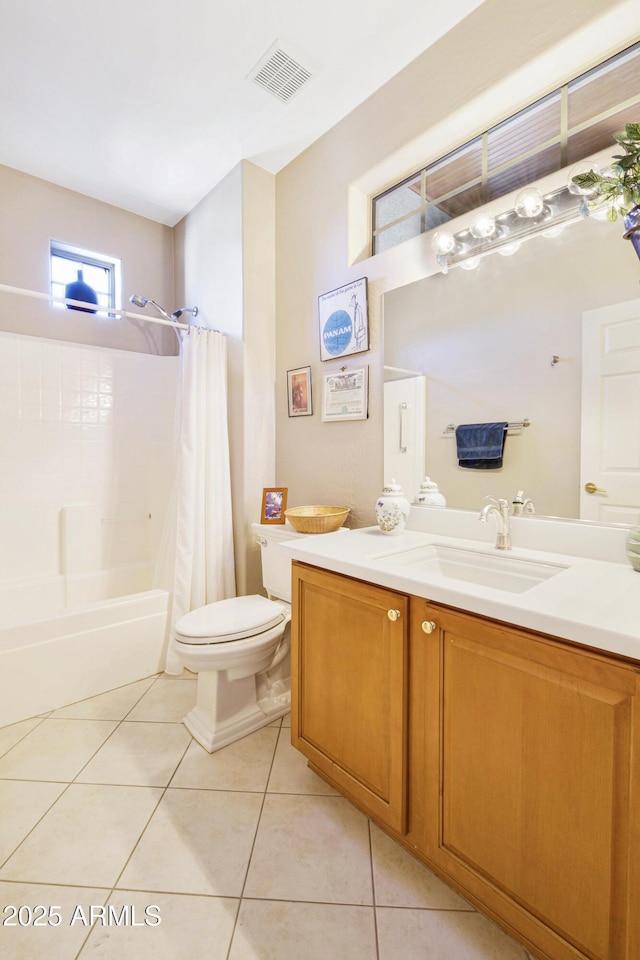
pixel 610 437
pixel 404 433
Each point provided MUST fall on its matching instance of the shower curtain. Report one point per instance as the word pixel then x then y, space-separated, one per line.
pixel 204 562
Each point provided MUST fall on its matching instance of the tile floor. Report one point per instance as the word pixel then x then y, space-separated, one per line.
pixel 112 817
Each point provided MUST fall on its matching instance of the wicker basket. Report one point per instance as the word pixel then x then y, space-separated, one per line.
pixel 316 519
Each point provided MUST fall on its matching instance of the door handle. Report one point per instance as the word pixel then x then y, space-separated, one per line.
pixel 591 488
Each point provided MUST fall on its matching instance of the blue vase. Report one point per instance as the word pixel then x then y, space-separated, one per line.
pixel 79 290
pixel 632 223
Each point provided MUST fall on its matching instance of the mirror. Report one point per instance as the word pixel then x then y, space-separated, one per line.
pixel 486 340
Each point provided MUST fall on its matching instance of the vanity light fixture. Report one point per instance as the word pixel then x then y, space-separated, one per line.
pixel 533 213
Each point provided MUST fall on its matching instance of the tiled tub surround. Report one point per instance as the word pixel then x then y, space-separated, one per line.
pixel 246 852
pixel 86 468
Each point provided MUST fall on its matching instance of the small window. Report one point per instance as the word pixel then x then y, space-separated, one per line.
pixel 102 273
pixel 562 128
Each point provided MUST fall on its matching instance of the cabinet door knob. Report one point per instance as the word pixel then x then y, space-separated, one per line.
pixel 394 615
pixel 429 626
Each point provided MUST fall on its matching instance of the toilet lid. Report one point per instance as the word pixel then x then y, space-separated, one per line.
pixel 230 619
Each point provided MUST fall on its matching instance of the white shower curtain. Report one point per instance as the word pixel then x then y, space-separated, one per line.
pixel 204 562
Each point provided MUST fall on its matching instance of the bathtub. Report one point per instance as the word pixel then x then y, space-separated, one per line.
pixel 57 654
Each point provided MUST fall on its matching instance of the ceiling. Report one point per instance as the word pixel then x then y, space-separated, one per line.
pixel 147 104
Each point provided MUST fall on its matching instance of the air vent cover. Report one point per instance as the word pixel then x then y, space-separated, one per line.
pixel 280 74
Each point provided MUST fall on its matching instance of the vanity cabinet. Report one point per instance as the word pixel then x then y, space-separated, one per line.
pixel 530 789
pixel 348 698
pixel 506 760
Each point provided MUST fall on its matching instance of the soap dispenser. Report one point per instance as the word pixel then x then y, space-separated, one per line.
pixel 429 495
pixel 392 508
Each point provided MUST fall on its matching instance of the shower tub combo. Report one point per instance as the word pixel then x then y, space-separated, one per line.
pixel 57 657
pixel 83 497
pixel 81 631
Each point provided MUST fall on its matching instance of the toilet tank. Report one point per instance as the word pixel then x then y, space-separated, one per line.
pixel 276 563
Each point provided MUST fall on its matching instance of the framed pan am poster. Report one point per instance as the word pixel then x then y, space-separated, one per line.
pixel 344 320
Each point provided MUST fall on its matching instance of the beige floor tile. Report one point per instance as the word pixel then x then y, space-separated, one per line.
pixel 55 749
pixel 113 705
pixel 22 803
pixel 311 848
pixel 85 838
pixel 286 720
pixel 166 700
pixel 10 735
pixel 402 881
pixel 276 930
pixel 243 765
pixel 145 754
pixel 291 774
pixel 198 841
pixel 54 940
pixel 190 928
pixel 436 935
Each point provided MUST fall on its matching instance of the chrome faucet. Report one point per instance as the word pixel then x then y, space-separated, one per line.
pixel 500 510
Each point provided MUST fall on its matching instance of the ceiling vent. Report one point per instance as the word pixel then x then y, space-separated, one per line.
pixel 280 74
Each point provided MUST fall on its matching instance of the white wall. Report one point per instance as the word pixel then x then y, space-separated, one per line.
pixel 501 58
pixel 226 246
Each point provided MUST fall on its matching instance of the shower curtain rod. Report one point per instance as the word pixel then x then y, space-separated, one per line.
pixel 110 311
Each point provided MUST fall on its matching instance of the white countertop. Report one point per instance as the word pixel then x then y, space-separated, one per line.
pixel 592 602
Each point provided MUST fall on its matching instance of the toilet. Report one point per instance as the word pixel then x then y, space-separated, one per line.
pixel 240 649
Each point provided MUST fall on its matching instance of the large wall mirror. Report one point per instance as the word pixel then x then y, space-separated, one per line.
pixel 505 342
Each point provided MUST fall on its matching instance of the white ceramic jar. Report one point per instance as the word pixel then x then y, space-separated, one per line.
pixel 429 495
pixel 392 508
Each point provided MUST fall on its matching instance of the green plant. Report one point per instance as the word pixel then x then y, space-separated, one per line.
pixel 619 185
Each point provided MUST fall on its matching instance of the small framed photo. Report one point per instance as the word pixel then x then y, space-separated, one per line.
pixel 344 320
pixel 299 392
pixel 274 504
pixel 345 395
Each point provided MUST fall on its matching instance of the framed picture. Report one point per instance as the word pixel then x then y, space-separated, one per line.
pixel 344 320
pixel 274 504
pixel 345 395
pixel 299 392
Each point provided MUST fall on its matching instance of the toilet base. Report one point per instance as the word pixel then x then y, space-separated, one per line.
pixel 227 710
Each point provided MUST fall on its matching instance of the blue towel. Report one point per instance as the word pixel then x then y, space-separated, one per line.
pixel 480 445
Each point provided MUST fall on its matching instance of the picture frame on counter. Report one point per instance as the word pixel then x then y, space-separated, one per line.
pixel 345 395
pixel 274 504
pixel 299 399
pixel 344 320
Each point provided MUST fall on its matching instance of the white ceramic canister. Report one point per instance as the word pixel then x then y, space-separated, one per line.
pixel 429 495
pixel 392 508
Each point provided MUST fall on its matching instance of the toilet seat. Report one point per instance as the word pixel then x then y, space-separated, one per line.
pixel 226 620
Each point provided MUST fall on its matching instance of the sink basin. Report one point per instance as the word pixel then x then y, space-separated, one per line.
pixel 500 571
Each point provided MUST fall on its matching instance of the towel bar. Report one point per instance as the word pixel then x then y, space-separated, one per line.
pixel 450 428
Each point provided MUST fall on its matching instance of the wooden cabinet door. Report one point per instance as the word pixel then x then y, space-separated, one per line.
pixel 348 679
pixel 531 786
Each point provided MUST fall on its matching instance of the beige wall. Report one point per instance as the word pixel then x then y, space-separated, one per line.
pixel 502 57
pixel 35 212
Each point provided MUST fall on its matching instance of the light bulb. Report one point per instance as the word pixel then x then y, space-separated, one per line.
pixel 529 202
pixel 580 169
pixel 471 263
pixel 483 226
pixel 443 243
